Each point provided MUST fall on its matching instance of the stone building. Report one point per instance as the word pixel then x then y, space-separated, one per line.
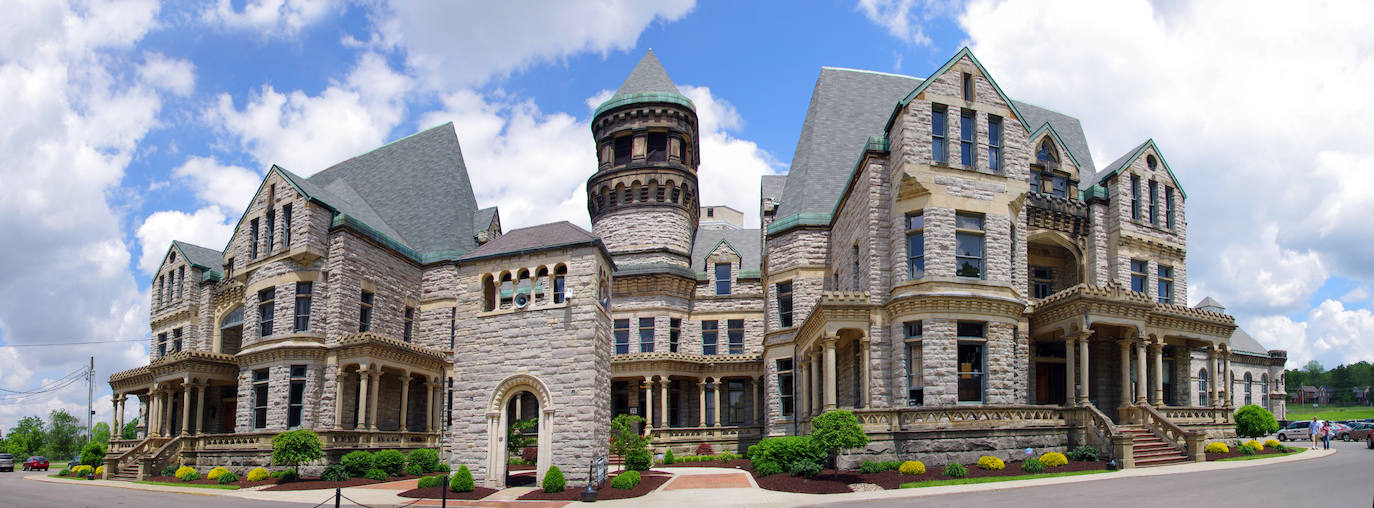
pixel 948 263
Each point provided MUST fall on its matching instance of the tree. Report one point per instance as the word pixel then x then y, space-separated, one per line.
pixel 130 430
pixel 1255 421
pixel 93 454
pixel 27 438
pixel 296 447
pixel 835 431
pixel 1293 380
pixel 518 436
pixel 625 439
pixel 1313 370
pixel 100 433
pixel 65 435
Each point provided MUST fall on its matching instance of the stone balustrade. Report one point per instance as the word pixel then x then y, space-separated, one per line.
pixel 1196 415
pixel 958 417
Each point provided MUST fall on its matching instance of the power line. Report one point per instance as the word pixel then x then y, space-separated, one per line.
pixel 81 375
pixel 112 341
pixel 77 372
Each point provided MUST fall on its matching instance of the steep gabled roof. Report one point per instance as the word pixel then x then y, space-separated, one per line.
pixel 204 258
pixel 771 186
pixel 481 220
pixel 964 52
pixel 1068 133
pixel 745 242
pixel 1125 161
pixel 532 239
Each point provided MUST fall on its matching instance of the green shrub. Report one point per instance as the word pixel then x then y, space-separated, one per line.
pixel 93 454
pixel 767 469
pixel 462 480
pixel 870 466
pixel 334 473
pixel 626 480
pixel 668 457
pixel 287 475
pixel 170 470
pixel 834 431
pixel 639 460
pixel 429 482
pixel 804 469
pixel 375 474
pixel 785 452
pixel 182 470
pixel 1032 465
pixel 426 458
pixel 1254 421
pixel 189 476
pixel 389 461
pixel 1281 448
pixel 296 447
pixel 257 474
pixel 956 470
pixel 227 478
pixel 64 472
pixel 990 463
pixel 1246 450
pixel 554 481
pixel 215 473
pixel 357 463
pixel 1085 453
pixel 415 470
pixel 441 468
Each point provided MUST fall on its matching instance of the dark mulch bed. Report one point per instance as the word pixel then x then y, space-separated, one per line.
pixel 316 483
pixel 520 467
pixel 436 492
pixel 1235 452
pixel 649 481
pixel 173 479
pixel 736 464
pixel 826 483
pixel 520 480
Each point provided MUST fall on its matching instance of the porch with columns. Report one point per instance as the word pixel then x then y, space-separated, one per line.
pixel 688 399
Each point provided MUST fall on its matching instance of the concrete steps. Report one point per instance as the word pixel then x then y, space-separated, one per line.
pixel 1149 450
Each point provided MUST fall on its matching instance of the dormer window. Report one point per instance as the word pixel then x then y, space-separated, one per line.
pixel 722 278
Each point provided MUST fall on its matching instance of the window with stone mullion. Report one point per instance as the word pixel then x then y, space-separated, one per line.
pixel 735 332
pixel 915 246
pixel 785 388
pixel 646 335
pixel 622 336
pixel 266 311
pixel 709 335
pixel 969 245
pixel 915 363
pixel 304 292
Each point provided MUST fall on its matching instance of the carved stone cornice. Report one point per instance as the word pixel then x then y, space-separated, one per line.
pixel 1151 244
pixel 161 321
pixel 381 347
pixel 1114 303
pixel 686 364
pixel 653 284
pixel 1068 216
pixel 226 294
pixel 195 364
pixel 835 310
pixel 959 304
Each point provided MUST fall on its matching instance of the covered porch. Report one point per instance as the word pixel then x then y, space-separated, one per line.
pixel 688 399
pixel 387 385
pixel 833 355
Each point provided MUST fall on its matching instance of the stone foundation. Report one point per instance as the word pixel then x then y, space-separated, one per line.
pixel 940 447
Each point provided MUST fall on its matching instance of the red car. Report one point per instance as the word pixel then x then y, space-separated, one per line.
pixel 35 463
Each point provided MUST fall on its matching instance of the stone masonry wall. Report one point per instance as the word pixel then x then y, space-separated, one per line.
pixel 353 260
pixel 645 228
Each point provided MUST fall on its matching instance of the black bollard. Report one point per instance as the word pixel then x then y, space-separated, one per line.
pixel 444 496
pixel 589 494
pixel 336 497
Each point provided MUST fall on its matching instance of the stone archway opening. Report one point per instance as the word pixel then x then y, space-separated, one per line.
pixel 522 439
pixel 514 399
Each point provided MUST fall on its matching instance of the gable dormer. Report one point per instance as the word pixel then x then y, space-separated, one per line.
pixel 1053 168
pixel 282 220
pixel 1147 196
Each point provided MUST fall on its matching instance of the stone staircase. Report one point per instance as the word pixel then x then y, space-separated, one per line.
pixel 1149 450
pixel 127 474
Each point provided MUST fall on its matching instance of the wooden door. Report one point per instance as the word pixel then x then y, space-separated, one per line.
pixel 227 416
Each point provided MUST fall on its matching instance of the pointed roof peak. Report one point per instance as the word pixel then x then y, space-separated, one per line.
pixel 647 77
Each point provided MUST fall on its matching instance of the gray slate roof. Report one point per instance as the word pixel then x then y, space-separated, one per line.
pixel 746 242
pixel 1209 302
pixel 847 106
pixel 648 76
pixel 1120 162
pixel 203 257
pixel 772 186
pixel 533 238
pixel 415 190
pixel 481 220
pixel 1241 341
pixel 1069 129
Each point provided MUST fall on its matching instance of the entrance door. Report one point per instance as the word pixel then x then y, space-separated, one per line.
pixel 227 417
pixel 1049 383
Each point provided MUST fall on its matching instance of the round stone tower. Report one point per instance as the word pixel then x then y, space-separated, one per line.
pixel 643 197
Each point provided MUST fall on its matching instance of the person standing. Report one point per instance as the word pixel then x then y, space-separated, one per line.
pixel 1326 435
pixel 1314 431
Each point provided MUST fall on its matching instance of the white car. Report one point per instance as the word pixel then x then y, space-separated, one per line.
pixel 1296 431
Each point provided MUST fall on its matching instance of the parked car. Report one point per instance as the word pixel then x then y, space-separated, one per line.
pixel 76 461
pixel 6 462
pixel 1357 432
pixel 36 463
pixel 1369 441
pixel 1296 431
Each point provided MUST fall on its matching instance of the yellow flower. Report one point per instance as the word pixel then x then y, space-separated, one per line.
pixel 912 468
pixel 215 473
pixel 1217 447
pixel 991 463
pixel 1054 459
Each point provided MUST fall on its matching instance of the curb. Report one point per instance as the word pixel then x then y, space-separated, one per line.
pixel 134 486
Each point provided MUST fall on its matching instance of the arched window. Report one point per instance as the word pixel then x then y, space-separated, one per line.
pixel 507 291
pixel 1151 162
pixel 541 285
pixel 560 285
pixel 1248 381
pixel 523 287
pixel 1202 387
pixel 1047 154
pixel 488 293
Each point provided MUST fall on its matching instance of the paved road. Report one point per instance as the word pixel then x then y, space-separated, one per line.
pixel 20 493
pixel 1343 479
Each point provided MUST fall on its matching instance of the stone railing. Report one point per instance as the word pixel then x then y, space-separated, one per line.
pixel 329 439
pixel 668 435
pixel 1105 436
pixel 1151 419
pixel 151 464
pixel 957 417
pixel 1197 415
pixel 125 453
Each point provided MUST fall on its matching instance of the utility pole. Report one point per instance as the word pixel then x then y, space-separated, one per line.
pixel 90 401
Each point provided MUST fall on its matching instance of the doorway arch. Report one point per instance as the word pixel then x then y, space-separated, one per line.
pixel 519 386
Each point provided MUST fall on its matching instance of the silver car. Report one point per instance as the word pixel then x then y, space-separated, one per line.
pixel 1296 431
pixel 6 462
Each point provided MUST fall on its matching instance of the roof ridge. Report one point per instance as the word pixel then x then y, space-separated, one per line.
pixel 868 71
pixel 371 209
pixel 388 144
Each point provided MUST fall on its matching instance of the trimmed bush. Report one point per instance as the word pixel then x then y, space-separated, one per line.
pixel 768 468
pixel 785 452
pixel 426 458
pixel 1054 459
pixel 183 470
pixel 1254 445
pixel 1032 465
pixel 93 453
pixel 334 473
pixel 415 470
pixel 84 470
pixel 429 482
pixel 1281 448
pixel 668 457
pixel 530 454
pixel 441 468
pixel 956 470
pixel 554 481
pixel 1272 444
pixel 705 449
pixel 1217 447
pixel 626 480
pixel 390 462
pixel 190 476
pixel 64 472
pixel 990 463
pixel 1083 453
pixel 912 468
pixel 215 473
pixel 875 466
pixel 99 471
pixel 639 460
pixel 288 475
pixel 835 431
pixel 804 469
pixel 1255 421
pixel 227 478
pixel 258 474
pixel 169 470
pixel 462 480
pixel 295 447
pixel 375 474
pixel 357 463
pixel 1245 450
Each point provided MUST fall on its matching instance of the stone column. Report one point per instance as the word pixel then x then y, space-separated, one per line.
pixel 715 393
pixel 119 431
pixel 701 403
pixel 186 388
pixel 663 402
pixel 373 393
pixel 168 405
pixel 114 416
pixel 648 404
pixel 816 372
pixel 338 399
pixel 1125 372
pixel 830 373
pixel 1230 381
pixel 151 418
pixel 429 406
pixel 1157 351
pixel 758 397
pixel 405 402
pixel 1140 372
pixel 1213 374
pixel 1083 368
pixel 200 407
pixel 1071 386
pixel 363 383
pixel 803 395
pixel 864 344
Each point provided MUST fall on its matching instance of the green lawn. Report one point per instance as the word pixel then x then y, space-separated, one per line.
pixel 57 465
pixel 1305 412
pixel 67 477
pixel 1269 456
pixel 196 485
pixel 990 479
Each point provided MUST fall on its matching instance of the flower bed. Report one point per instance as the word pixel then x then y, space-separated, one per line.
pixel 1235 452
pixel 650 480
pixel 316 483
pixel 437 492
pixel 732 464
pixel 826 483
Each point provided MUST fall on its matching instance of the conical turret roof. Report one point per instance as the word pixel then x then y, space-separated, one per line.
pixel 648 82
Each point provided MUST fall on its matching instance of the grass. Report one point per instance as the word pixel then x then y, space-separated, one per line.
pixel 990 479
pixel 57 465
pixel 67 477
pixel 1306 412
pixel 1257 457
pixel 197 485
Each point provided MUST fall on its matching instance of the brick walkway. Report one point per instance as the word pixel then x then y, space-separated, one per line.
pixel 710 481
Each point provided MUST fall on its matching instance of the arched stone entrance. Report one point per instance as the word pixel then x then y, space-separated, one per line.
pixel 518 387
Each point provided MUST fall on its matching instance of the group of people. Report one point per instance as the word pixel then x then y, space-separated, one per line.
pixel 1321 430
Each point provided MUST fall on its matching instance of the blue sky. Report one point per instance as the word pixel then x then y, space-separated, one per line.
pixel 134 123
